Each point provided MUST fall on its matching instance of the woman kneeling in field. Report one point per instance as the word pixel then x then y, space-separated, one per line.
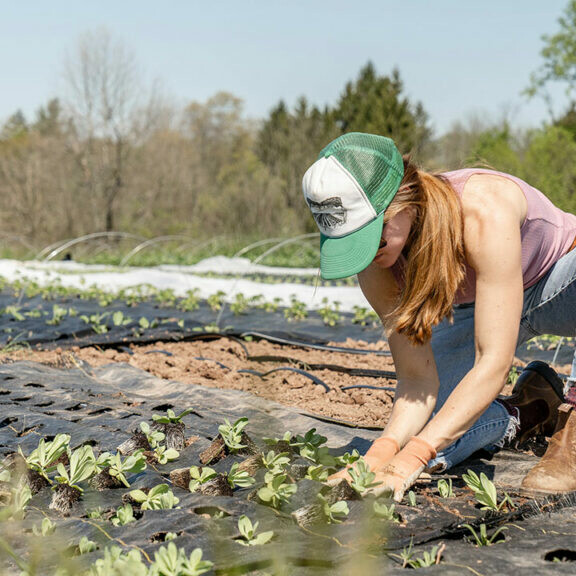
pixel 461 267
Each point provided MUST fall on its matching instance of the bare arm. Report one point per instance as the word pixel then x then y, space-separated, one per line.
pixel 417 387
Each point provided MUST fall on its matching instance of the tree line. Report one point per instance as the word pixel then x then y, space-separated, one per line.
pixel 112 154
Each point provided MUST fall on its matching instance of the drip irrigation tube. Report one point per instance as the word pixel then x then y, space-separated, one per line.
pixel 364 372
pixel 263 375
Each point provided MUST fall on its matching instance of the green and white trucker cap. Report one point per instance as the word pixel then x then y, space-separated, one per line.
pixel 348 190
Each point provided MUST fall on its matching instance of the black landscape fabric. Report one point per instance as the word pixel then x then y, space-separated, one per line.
pixel 103 406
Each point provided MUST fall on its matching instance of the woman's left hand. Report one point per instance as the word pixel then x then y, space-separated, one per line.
pixel 404 469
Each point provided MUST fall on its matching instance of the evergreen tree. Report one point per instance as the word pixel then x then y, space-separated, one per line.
pixel 376 104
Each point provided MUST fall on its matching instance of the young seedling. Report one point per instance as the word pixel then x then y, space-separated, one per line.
pixel 232 434
pixel 172 427
pixel 46 528
pixel 310 446
pixel 154 437
pixel 429 558
pixel 43 460
pixel 115 562
pixel 248 536
pixel 276 491
pixel 361 478
pixel 118 468
pixel 347 459
pixel 364 316
pixel 275 463
pixel 199 476
pixel 317 473
pixel 124 515
pixel 330 313
pixel 382 510
pixel 239 305
pixel 170 417
pixel 97 322
pixel 172 561
pixel 481 537
pixel 216 300
pixel 334 513
pixel 485 491
pixel 17 500
pixel 445 488
pixel 85 546
pixel 296 311
pixel 239 478
pixel 58 314
pixel 412 498
pixel 164 455
pixel 160 497
pixel 68 491
pixel 190 302
pixel 118 319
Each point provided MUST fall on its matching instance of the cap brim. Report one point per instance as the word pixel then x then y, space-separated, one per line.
pixel 348 255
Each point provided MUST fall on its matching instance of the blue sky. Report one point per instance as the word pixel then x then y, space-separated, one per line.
pixel 458 57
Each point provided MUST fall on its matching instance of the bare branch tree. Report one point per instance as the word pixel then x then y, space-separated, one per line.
pixel 105 103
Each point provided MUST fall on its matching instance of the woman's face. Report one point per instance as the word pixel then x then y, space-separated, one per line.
pixel 394 236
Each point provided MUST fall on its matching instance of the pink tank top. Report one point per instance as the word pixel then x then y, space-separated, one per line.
pixel 547 234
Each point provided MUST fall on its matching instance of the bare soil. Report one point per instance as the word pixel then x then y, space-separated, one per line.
pixel 231 364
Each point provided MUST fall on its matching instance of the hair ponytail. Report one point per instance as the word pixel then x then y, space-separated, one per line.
pixel 435 264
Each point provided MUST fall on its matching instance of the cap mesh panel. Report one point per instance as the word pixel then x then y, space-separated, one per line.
pixel 375 163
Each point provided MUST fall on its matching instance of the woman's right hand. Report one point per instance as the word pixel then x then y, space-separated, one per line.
pixel 379 454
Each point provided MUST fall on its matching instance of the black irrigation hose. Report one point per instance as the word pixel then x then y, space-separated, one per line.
pixel 344 423
pixel 263 375
pixel 215 336
pixel 301 344
pixel 335 368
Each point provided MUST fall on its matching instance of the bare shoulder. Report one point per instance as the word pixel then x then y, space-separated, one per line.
pixel 491 195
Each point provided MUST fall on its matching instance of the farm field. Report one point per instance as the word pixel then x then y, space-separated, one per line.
pixel 242 405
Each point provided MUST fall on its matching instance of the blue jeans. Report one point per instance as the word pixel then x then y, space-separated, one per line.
pixel 549 308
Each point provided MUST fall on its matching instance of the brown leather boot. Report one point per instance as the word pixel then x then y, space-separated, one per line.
pixel 556 471
pixel 537 394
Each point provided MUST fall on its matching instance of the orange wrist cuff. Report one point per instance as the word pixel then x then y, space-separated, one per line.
pixel 381 452
pixel 420 449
